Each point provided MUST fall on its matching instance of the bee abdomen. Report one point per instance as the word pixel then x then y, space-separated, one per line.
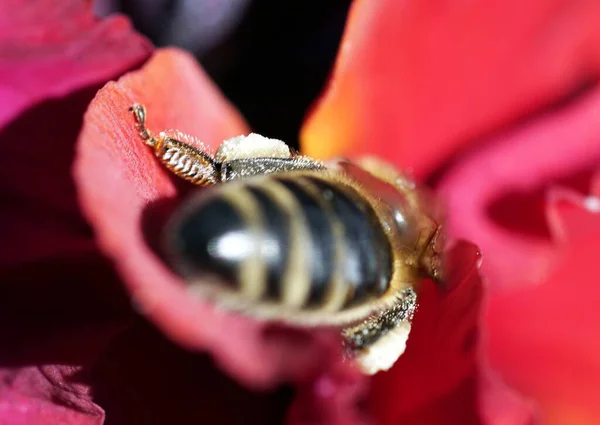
pixel 302 241
pixel 366 260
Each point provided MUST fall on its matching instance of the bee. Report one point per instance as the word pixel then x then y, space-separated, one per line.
pixel 285 237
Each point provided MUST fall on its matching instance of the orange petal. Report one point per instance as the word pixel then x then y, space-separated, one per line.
pixel 119 181
pixel 54 48
pixel 415 81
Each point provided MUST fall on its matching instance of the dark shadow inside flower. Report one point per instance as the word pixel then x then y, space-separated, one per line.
pixel 82 285
pixel 41 214
pixel 59 341
pixel 46 365
pixel 51 266
pixel 524 211
pixel 155 215
pixel 145 378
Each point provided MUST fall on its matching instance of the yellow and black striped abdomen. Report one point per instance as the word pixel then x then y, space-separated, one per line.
pixel 298 240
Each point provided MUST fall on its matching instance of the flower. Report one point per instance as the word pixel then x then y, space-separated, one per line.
pixel 495 104
pixel 86 197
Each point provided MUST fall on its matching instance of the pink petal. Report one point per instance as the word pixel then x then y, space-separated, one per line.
pixel 51 48
pixel 120 181
pixel 533 156
pixel 543 339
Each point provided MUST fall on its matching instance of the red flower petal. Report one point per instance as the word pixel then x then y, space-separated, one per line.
pixel 435 380
pixel 529 159
pixel 17 409
pixel 416 81
pixel 334 398
pixel 544 338
pixel 43 58
pixel 51 48
pixel 571 215
pixel 118 179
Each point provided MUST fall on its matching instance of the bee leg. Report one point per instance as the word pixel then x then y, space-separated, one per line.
pixel 178 152
pixel 252 155
pixel 139 115
pixel 376 343
pixel 243 168
pixel 252 146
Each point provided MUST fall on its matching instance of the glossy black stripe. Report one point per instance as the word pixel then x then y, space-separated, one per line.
pixel 367 260
pixel 322 243
pixel 202 239
pixel 276 252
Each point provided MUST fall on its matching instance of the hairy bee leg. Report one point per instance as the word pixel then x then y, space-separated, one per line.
pixel 252 146
pixel 236 158
pixel 243 168
pixel 253 155
pixel 377 342
pixel 183 159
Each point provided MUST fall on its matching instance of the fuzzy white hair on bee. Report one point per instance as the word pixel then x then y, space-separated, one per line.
pixel 284 237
